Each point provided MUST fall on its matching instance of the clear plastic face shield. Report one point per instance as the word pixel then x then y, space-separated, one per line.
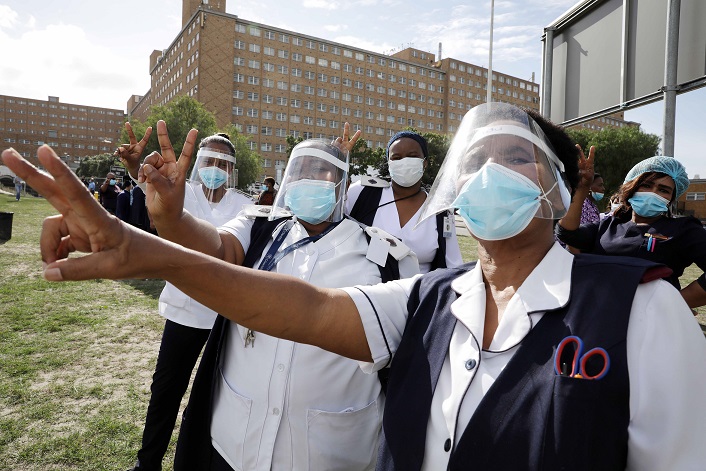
pixel 314 184
pixel 214 170
pixel 499 164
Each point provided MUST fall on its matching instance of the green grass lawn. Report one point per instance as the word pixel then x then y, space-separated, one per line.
pixel 76 358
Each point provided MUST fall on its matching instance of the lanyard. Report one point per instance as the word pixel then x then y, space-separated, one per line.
pixel 274 255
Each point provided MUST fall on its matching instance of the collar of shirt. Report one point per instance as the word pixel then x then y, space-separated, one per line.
pixel 547 287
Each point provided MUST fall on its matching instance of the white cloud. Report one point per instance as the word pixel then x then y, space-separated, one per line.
pixel 60 60
pixel 322 4
pixel 336 28
pixel 8 17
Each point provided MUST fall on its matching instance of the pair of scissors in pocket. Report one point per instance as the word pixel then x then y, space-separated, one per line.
pixel 571 361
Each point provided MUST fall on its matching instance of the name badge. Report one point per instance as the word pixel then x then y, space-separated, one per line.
pixel 378 250
pixel 447 227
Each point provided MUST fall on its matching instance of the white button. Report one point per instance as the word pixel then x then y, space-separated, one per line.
pixel 275 411
pixel 280 367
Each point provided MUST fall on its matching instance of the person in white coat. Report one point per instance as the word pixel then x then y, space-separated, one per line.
pixel 209 195
pixel 395 207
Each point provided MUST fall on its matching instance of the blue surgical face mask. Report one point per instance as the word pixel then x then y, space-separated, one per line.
pixel 264 187
pixel 648 204
pixel 498 203
pixel 213 177
pixel 312 201
pixel 112 182
pixel 597 196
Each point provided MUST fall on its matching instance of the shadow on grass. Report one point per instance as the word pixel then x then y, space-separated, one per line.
pixel 151 288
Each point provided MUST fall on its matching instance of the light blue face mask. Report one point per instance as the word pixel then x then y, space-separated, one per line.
pixel 312 201
pixel 648 204
pixel 264 187
pixel 498 203
pixel 112 182
pixel 213 177
pixel 597 196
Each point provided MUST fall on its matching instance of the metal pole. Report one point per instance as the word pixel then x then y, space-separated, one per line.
pixel 670 76
pixel 545 97
pixel 489 95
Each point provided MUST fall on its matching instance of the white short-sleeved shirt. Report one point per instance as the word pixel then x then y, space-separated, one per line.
pixel 665 352
pixel 422 239
pixel 173 303
pixel 281 405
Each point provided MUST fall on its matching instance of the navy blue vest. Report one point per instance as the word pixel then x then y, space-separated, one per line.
pixel 530 419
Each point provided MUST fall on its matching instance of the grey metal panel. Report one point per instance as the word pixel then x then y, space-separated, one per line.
pixel 588 55
pixel 646 44
pixel 587 45
pixel 692 40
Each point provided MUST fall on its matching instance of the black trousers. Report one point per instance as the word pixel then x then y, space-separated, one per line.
pixel 178 352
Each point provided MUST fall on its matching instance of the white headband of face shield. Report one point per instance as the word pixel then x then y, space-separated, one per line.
pixel 215 154
pixel 520 132
pixel 321 154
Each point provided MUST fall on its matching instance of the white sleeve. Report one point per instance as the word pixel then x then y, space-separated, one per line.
pixel 240 228
pixel 383 311
pixel 666 353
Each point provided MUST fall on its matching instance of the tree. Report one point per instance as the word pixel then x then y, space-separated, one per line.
pixel 248 163
pixel 181 114
pixel 617 151
pixel 95 166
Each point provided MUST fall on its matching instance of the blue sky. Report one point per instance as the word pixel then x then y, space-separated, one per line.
pixel 97 52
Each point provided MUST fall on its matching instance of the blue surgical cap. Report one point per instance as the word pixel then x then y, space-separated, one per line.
pixel 663 164
pixel 412 135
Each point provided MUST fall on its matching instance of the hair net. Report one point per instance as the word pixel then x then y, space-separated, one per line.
pixel 412 135
pixel 662 164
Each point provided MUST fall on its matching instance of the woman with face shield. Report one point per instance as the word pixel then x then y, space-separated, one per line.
pixel 305 237
pixel 512 362
pixel 396 208
pixel 210 195
pixel 643 225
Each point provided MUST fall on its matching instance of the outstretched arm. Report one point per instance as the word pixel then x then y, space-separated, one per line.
pixel 300 312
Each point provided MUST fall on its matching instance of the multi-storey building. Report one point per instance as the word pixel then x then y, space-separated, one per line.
pixel 272 83
pixel 73 131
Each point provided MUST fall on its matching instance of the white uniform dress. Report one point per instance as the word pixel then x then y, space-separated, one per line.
pixel 281 405
pixel 423 239
pixel 665 347
pixel 174 304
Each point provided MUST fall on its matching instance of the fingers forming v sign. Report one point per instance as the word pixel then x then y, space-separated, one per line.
pixel 345 143
pixel 83 224
pixel 130 154
pixel 166 175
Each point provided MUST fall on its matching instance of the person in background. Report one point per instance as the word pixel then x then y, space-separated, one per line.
pixel 267 197
pixel 475 380
pixel 643 226
pixel 123 205
pixel 109 191
pixel 92 186
pixel 18 186
pixel 209 195
pixel 589 211
pixel 395 208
